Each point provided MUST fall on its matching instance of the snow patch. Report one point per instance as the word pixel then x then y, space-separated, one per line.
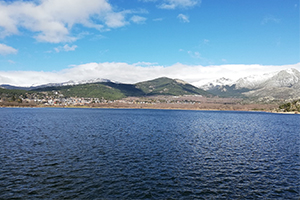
pixel 181 81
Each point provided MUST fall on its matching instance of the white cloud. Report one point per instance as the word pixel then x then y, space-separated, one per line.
pixel 138 19
pixel 270 18
pixel 206 41
pixel 52 21
pixel 172 4
pixel 4 50
pixel 68 48
pixel 144 64
pixel 11 62
pixel 115 20
pixel 183 18
pixel 133 73
pixel 65 48
pixel 157 19
pixel 148 0
pixel 195 54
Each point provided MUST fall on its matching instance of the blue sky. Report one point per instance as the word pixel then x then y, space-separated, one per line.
pixel 57 35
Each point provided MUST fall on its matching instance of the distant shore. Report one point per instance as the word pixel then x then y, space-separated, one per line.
pixel 213 107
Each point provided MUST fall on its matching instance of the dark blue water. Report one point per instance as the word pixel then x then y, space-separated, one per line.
pixel 49 153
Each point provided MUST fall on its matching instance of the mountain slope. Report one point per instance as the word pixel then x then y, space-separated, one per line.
pixel 9 93
pixel 228 91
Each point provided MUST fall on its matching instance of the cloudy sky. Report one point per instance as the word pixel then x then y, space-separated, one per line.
pixel 44 41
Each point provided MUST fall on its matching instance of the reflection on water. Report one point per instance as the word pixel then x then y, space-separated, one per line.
pixel 154 154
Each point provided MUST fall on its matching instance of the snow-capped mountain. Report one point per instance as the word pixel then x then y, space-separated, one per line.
pixel 285 78
pixel 277 85
pixel 68 83
pixel 253 81
pixel 97 80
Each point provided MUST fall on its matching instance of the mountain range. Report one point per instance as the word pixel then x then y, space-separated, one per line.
pixel 282 85
pixel 107 89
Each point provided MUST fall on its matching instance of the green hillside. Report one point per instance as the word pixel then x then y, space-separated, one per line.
pixel 9 93
pixel 126 89
pixel 12 95
pixel 167 86
pixel 93 90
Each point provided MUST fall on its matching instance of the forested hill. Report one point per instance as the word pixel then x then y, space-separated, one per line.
pixel 167 86
pixel 105 90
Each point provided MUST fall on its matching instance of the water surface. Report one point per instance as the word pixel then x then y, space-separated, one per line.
pixel 56 153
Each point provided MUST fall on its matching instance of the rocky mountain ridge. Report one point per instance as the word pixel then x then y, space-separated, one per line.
pixel 284 84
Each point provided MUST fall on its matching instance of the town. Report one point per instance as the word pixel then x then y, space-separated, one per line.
pixel 55 98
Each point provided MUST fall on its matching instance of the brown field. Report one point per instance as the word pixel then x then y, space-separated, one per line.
pixel 188 102
pixel 168 102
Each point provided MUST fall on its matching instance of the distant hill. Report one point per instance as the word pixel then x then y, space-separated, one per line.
pixel 11 87
pixel 228 91
pixel 167 86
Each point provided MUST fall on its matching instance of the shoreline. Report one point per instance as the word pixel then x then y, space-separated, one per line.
pixel 154 108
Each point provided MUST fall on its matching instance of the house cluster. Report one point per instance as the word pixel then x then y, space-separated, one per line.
pixel 80 101
pixel 64 101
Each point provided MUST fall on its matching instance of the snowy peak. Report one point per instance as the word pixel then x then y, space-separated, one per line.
pixel 285 78
pixel 181 81
pixel 217 83
pixel 253 81
pixel 96 80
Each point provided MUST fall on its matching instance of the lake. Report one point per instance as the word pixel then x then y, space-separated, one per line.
pixel 57 153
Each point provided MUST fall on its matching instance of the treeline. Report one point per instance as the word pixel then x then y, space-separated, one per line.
pixel 12 95
pixel 291 106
